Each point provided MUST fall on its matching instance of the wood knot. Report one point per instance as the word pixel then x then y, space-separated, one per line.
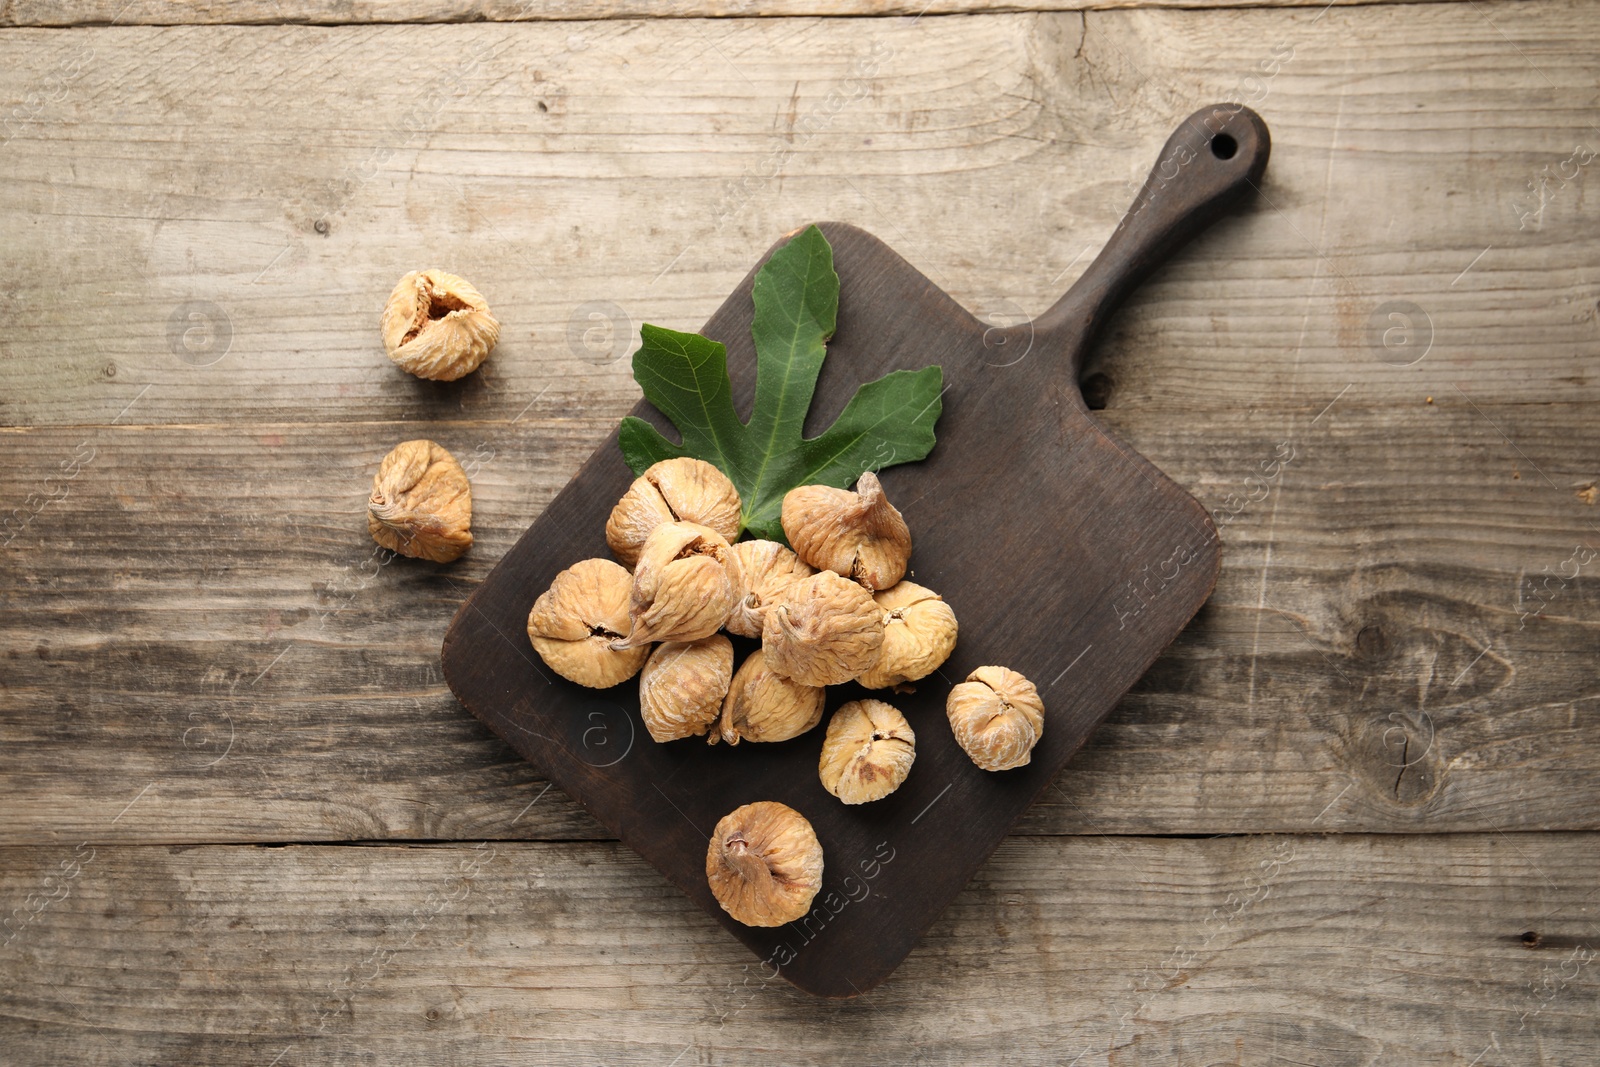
pixel 1396 752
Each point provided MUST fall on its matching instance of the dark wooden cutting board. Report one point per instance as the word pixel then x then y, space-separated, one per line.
pixel 1065 555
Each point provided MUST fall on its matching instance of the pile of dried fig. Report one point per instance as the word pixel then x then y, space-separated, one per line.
pixel 830 610
pixel 831 607
pixel 834 608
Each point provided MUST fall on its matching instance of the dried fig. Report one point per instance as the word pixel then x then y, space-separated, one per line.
pixel 766 569
pixel 825 630
pixel 421 503
pixel 574 622
pixel 997 717
pixel 683 587
pixel 682 686
pixel 438 326
pixel 765 706
pixel 764 864
pixel 867 752
pixel 674 490
pixel 919 633
pixel 859 535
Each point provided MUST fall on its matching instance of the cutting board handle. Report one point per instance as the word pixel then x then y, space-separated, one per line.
pixel 1210 162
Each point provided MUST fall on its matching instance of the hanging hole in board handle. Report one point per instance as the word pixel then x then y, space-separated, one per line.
pixel 1182 196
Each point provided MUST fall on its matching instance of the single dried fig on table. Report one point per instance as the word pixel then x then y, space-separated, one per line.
pixel 919 633
pixel 683 587
pixel 824 631
pixel 867 752
pixel 764 864
pixel 574 622
pixel 438 326
pixel 762 705
pixel 766 570
pixel 682 686
pixel 859 535
pixel 997 717
pixel 421 503
pixel 674 490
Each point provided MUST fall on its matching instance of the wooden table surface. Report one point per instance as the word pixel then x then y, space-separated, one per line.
pixel 1348 818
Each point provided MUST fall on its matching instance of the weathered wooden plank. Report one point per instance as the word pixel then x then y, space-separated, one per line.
pixel 201 623
pixel 351 12
pixel 1336 951
pixel 1364 664
pixel 166 186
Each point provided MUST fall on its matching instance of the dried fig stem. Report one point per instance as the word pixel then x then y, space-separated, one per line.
pixel 749 867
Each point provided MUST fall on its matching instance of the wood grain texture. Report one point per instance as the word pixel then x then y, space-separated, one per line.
pixel 146 605
pixel 630 164
pixel 1344 951
pixel 1418 526
pixel 355 12
pixel 1368 609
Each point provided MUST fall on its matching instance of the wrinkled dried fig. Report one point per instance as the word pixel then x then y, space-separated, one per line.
pixel 421 503
pixel 859 535
pixel 824 631
pixel 765 706
pixel 766 569
pixel 438 326
pixel 919 633
pixel 683 587
pixel 674 490
pixel 997 717
pixel 574 622
pixel 764 864
pixel 682 686
pixel 867 752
